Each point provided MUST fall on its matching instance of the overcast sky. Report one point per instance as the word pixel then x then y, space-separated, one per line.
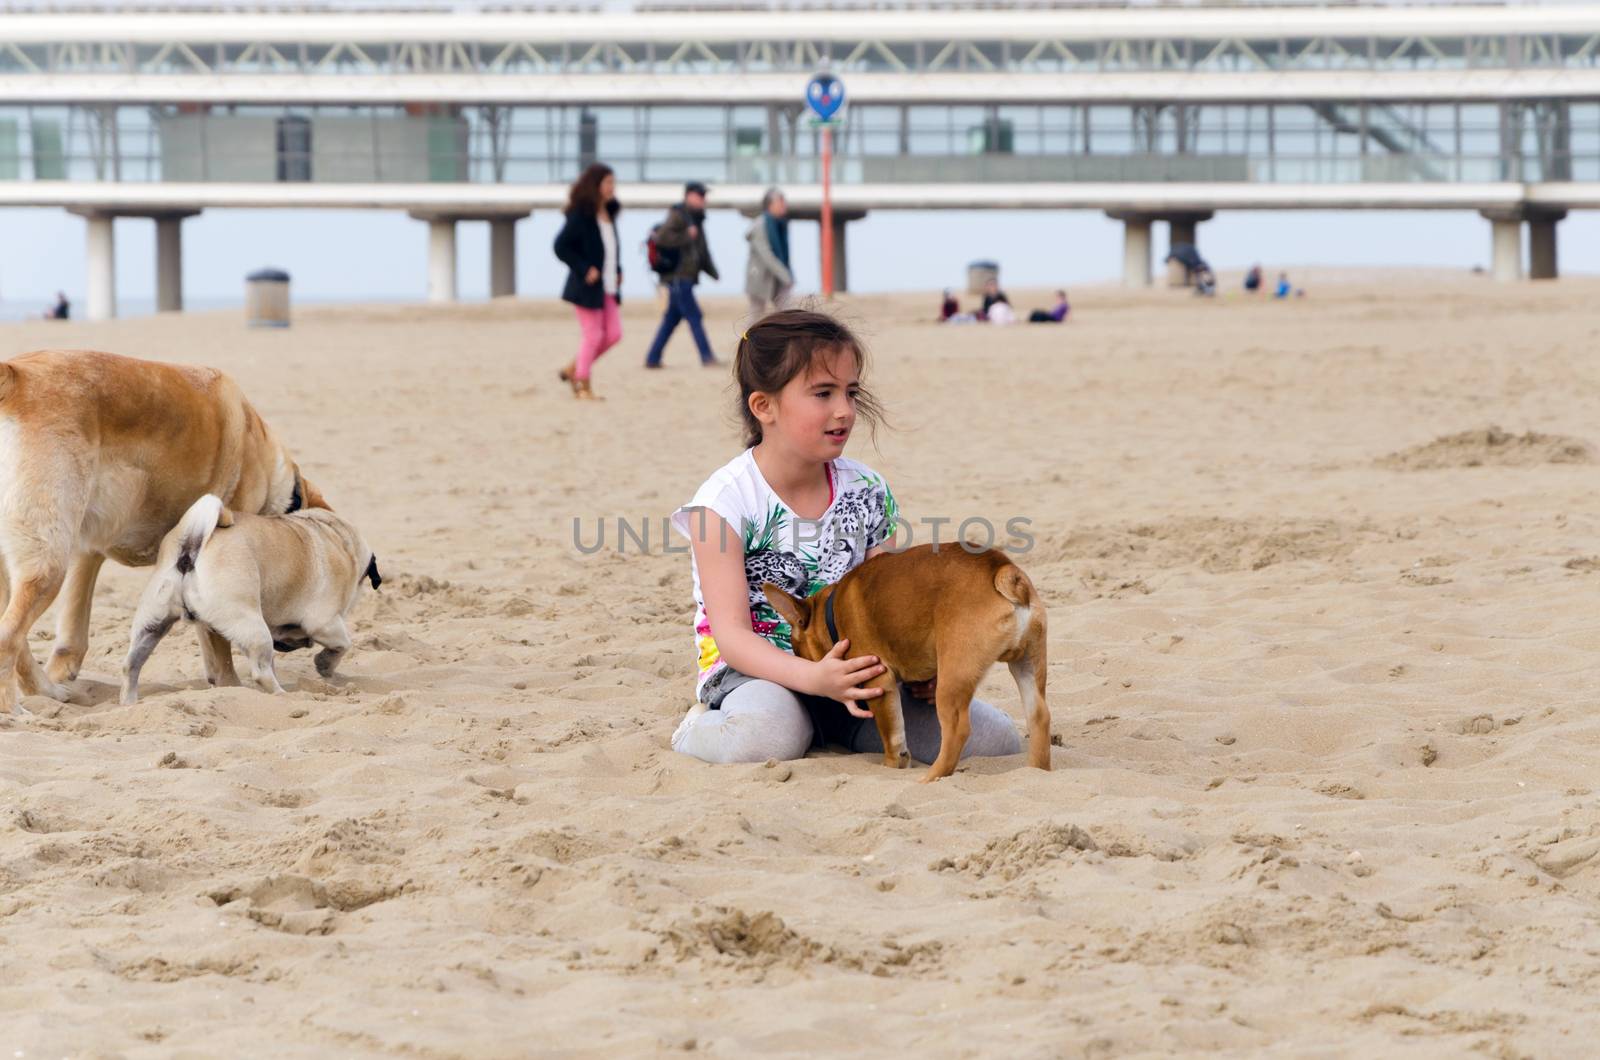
pixel 383 254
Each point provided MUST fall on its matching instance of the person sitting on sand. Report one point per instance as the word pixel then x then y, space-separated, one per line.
pixel 1056 314
pixel 1283 288
pixel 793 510
pixel 991 294
pixel 1252 279
pixel 1000 312
pixel 61 310
pixel 949 307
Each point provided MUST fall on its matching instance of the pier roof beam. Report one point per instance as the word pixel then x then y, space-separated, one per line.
pixel 1021 24
pixel 480 201
pixel 663 89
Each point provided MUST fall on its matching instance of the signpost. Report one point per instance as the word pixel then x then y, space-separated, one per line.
pixel 825 97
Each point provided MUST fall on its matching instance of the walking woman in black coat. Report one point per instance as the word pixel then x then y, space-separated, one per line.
pixel 587 245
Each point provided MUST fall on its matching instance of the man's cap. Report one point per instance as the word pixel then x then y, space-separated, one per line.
pixel 694 186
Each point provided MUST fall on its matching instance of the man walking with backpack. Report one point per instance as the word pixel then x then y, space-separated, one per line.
pixel 680 255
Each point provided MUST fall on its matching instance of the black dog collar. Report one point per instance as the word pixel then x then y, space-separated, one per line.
pixel 827 613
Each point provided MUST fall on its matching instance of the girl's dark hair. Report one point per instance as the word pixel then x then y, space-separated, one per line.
pixel 785 344
pixel 584 195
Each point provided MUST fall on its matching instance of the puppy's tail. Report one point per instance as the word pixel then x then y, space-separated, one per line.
pixel 196 527
pixel 1011 583
pixel 162 600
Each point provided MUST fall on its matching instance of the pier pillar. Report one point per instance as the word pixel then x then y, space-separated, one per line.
pixel 441 259
pixel 841 217
pixel 442 251
pixel 102 270
pixel 841 272
pixel 1135 249
pixel 503 256
pixel 1542 244
pixel 101 295
pixel 169 260
pixel 1505 245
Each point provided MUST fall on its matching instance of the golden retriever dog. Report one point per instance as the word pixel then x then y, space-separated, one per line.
pixel 262 582
pixel 101 455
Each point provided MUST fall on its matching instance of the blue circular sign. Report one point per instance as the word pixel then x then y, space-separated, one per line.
pixel 825 95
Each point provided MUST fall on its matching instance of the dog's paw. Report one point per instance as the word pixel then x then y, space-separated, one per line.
pixel 63 666
pixel 60 693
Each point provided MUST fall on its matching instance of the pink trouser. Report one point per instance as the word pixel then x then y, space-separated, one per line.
pixel 602 329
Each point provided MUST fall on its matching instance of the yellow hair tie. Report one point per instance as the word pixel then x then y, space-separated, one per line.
pixel 744 336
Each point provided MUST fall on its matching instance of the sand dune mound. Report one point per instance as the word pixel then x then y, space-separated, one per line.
pixel 763 940
pixel 1491 447
pixel 760 939
pixel 1016 854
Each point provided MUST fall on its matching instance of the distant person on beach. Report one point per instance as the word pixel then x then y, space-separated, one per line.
pixel 684 232
pixel 950 312
pixel 1001 313
pixel 767 278
pixel 1056 314
pixel 1283 288
pixel 61 310
pixel 991 294
pixel 1194 266
pixel 587 245
pixel 1252 279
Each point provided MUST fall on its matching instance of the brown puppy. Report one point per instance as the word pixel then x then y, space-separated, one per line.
pixel 930 611
pixel 260 582
pixel 100 456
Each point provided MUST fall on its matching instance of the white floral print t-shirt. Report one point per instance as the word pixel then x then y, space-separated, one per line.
pixel 798 555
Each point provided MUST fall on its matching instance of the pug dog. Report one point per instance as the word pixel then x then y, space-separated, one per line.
pixel 256 583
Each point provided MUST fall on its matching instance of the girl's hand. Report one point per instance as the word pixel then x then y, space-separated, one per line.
pixel 592 275
pixel 840 678
pixel 923 690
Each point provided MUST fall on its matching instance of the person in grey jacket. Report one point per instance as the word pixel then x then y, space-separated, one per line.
pixel 767 278
pixel 684 231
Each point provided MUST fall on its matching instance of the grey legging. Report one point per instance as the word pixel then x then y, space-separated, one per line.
pixel 761 720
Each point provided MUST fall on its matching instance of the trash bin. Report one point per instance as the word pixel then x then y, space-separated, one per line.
pixel 266 299
pixel 979 273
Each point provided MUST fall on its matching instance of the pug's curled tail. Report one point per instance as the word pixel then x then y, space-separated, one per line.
pixel 196 527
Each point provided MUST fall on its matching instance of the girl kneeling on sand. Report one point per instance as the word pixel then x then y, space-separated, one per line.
pixel 587 245
pixel 793 510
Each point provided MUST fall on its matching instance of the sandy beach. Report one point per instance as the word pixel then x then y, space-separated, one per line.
pixel 1325 673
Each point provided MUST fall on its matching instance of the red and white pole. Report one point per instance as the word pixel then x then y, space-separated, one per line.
pixel 827 211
